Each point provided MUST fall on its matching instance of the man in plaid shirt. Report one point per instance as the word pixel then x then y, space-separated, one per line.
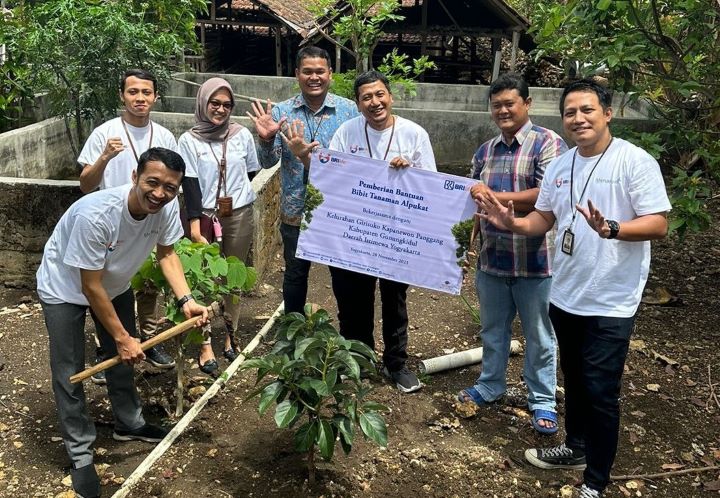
pixel 513 274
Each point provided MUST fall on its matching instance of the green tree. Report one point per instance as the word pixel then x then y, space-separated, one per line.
pixel 77 49
pixel 312 374
pixel 359 22
pixel 665 53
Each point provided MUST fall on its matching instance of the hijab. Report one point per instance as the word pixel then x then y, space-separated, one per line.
pixel 204 129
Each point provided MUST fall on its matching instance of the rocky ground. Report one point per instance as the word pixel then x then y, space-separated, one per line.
pixel 670 409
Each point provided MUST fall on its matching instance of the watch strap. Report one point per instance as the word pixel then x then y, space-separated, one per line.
pixel 181 302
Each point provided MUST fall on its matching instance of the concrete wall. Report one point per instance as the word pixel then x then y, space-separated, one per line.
pixel 40 150
pixel 442 97
pixel 29 210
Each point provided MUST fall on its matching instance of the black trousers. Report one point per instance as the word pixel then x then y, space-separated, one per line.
pixel 592 356
pixel 295 279
pixel 355 295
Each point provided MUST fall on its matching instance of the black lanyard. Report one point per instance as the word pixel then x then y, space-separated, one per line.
pixel 367 140
pixel 318 123
pixel 127 133
pixel 572 176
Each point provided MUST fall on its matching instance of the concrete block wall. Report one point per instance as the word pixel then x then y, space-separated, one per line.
pixel 30 209
pixel 40 150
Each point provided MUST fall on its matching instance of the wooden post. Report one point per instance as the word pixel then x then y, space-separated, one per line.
pixel 423 32
pixel 278 52
pixel 513 54
pixel 338 58
pixel 497 56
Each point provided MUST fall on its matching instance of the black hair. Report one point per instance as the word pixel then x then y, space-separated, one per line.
pixel 140 74
pixel 370 77
pixel 591 86
pixel 510 81
pixel 171 159
pixel 312 51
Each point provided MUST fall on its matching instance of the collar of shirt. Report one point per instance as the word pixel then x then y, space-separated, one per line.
pixel 300 101
pixel 520 136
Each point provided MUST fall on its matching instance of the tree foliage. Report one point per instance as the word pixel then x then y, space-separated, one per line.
pixel 76 50
pixel 359 22
pixel 665 53
pixel 312 375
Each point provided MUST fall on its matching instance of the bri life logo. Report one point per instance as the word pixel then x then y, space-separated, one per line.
pixel 323 157
pixel 451 185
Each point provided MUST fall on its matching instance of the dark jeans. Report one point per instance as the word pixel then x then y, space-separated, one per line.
pixel 295 279
pixel 592 355
pixel 355 295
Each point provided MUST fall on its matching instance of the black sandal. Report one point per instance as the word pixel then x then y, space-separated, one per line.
pixel 210 367
pixel 231 353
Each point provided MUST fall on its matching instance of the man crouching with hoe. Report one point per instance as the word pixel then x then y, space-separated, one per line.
pixel 96 248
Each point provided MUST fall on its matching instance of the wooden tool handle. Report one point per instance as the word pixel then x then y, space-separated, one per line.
pixel 190 323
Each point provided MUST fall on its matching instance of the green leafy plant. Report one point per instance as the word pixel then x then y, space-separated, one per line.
pixel 400 71
pixel 210 276
pixel 303 375
pixel 462 231
pixel 76 50
pixel 689 193
pixel 663 53
pixel 313 198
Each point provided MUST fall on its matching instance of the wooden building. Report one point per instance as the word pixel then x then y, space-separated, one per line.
pixel 463 37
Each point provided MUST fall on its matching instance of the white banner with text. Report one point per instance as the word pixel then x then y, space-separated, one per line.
pixel 404 225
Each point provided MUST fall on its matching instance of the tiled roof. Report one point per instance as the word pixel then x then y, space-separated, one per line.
pixel 294 12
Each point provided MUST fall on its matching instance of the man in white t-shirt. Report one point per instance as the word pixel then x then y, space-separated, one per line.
pixel 379 134
pixel 96 248
pixel 108 159
pixel 609 201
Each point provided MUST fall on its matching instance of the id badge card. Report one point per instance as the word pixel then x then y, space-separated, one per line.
pixel 568 242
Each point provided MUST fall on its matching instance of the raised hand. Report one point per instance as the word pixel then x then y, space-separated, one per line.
pixel 595 219
pixel 492 210
pixel 265 125
pixel 295 140
pixel 113 147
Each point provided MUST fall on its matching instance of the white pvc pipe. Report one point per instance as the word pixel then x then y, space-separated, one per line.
pixel 165 444
pixel 460 359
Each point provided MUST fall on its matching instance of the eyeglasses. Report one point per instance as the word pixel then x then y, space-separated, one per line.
pixel 215 104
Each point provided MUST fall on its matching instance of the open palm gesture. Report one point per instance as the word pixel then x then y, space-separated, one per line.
pixel 294 138
pixel 265 125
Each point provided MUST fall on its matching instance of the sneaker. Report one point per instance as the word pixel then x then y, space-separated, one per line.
pixel 158 358
pixel 99 378
pixel 586 492
pixel 148 433
pixel 559 457
pixel 85 481
pixel 404 379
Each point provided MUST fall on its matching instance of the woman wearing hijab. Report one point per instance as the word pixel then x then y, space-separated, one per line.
pixel 220 162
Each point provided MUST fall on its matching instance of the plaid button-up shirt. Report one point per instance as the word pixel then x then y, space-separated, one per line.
pixel 320 126
pixel 515 167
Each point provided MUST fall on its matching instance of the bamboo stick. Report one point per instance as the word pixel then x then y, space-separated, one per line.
pixel 190 323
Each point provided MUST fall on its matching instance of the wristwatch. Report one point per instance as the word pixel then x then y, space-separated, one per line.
pixel 614 227
pixel 181 302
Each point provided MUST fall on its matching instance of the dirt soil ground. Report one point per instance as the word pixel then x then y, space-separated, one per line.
pixel 670 409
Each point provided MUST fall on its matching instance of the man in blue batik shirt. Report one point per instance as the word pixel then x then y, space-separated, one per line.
pixel 321 113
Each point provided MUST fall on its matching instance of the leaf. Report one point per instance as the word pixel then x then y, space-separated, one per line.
pixel 294 328
pixel 304 344
pixel 363 349
pixel 305 436
pixel 218 267
pixel 346 359
pixel 712 485
pixel 345 427
pixel 285 413
pixel 672 466
pixel 373 426
pixel 372 406
pixel 326 439
pixel 236 275
pixel 268 396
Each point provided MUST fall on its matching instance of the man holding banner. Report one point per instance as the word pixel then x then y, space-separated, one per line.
pixel 377 133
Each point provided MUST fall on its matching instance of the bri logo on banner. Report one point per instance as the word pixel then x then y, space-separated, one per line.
pixel 451 185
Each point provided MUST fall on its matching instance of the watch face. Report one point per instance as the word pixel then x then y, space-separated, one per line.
pixel 614 227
